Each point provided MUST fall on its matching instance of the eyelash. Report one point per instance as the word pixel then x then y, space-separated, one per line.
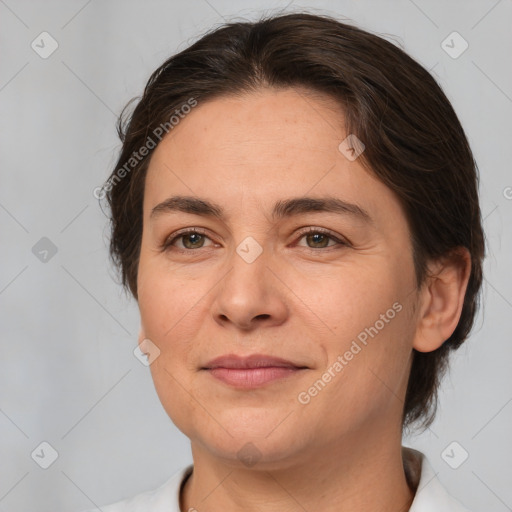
pixel 168 243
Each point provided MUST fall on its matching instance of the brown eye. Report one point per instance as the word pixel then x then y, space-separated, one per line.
pixel 193 240
pixel 319 240
pixel 190 240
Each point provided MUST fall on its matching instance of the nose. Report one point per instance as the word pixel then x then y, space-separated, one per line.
pixel 250 295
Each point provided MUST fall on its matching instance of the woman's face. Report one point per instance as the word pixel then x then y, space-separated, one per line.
pixel 252 280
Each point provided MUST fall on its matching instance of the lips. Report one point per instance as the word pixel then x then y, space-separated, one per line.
pixel 251 371
pixel 252 361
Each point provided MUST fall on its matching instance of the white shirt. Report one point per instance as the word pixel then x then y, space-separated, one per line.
pixel 430 495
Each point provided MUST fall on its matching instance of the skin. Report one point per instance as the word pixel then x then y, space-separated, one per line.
pixel 304 299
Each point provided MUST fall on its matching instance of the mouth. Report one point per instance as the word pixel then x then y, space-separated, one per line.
pixel 252 371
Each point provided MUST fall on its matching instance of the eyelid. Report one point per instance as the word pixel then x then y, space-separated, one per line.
pixel 181 232
pixel 340 241
pixel 337 238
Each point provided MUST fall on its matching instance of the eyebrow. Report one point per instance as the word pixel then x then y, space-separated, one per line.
pixel 282 209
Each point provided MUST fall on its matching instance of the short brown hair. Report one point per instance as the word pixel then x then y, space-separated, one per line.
pixel 414 142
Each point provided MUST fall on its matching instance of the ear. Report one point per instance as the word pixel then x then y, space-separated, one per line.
pixel 441 298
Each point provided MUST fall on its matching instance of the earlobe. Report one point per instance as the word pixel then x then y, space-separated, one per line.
pixel 442 297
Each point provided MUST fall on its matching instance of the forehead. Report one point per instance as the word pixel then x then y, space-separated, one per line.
pixel 257 148
pixel 269 118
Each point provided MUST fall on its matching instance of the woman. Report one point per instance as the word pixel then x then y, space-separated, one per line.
pixel 295 210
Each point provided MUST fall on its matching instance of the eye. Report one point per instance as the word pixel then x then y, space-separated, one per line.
pixel 191 239
pixel 320 238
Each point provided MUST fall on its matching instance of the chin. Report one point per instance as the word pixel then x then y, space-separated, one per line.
pixel 257 453
pixel 252 439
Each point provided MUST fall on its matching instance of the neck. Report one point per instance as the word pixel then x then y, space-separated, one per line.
pixel 350 477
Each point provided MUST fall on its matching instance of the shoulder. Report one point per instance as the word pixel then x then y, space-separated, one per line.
pixel 162 499
pixel 431 496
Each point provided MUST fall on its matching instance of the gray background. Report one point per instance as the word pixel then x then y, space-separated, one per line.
pixel 68 374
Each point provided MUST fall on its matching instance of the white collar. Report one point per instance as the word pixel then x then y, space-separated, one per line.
pixel 430 495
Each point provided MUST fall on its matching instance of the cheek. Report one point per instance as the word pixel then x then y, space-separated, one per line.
pixel 170 312
pixel 370 328
pixel 370 377
pixel 351 299
pixel 167 301
pixel 166 309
